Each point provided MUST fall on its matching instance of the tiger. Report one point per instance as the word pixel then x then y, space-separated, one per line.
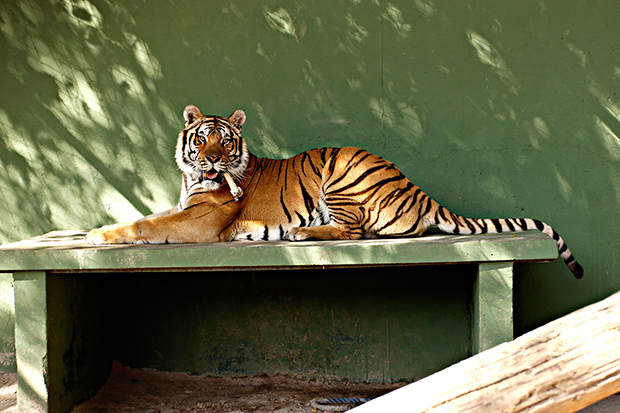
pixel 322 194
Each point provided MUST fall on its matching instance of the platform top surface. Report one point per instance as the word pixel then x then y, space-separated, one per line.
pixel 67 251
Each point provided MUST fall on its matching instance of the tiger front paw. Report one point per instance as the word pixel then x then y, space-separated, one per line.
pixel 109 234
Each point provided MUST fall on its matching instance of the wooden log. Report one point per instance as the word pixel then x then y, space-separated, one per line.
pixel 563 366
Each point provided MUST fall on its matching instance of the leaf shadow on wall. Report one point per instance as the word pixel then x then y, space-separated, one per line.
pixel 80 119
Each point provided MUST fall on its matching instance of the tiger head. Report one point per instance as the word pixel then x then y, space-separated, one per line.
pixel 210 146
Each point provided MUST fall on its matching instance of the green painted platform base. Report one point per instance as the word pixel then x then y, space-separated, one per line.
pixel 72 300
pixel 31 340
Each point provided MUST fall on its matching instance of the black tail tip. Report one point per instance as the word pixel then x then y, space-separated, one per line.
pixel 576 269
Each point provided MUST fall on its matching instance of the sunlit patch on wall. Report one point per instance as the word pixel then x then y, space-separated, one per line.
pixel 355 31
pixel 488 55
pixel 426 7
pixel 280 20
pixel 128 82
pixel 148 62
pixel 611 141
pixel 538 131
pixel 267 141
pixel 394 16
pixel 82 12
pixel 118 207
pixel 564 186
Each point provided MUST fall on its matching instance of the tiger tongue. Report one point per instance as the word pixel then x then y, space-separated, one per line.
pixel 210 175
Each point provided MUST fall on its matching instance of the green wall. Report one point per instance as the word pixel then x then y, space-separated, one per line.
pixel 495 108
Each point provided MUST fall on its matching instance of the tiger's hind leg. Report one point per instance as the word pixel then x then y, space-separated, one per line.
pixel 323 232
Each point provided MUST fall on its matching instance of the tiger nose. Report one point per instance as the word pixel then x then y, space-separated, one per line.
pixel 213 158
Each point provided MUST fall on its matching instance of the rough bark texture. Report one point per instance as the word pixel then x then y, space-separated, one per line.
pixel 563 366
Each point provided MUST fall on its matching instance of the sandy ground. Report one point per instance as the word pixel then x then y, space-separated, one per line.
pixel 8 393
pixel 132 390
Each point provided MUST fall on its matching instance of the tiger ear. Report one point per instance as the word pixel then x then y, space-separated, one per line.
pixel 237 118
pixel 191 113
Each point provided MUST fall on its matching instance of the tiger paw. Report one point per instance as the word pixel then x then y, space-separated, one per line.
pixel 298 234
pixel 109 234
pixel 322 232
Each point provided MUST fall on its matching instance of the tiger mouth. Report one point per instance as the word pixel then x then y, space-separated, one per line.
pixel 211 175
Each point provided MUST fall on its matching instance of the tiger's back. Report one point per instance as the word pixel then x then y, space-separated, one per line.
pixel 327 193
pixel 360 194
